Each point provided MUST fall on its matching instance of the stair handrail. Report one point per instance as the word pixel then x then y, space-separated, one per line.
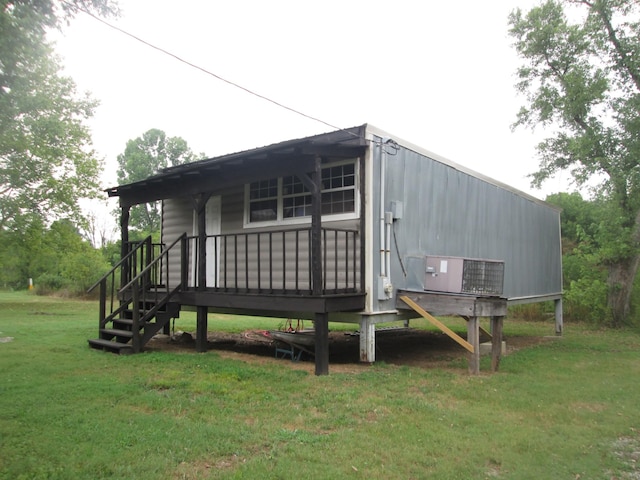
pixel 103 317
pixel 138 294
pixel 155 261
pixel 138 246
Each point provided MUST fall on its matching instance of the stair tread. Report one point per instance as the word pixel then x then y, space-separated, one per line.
pixel 117 332
pixel 121 327
pixel 129 321
pixel 109 343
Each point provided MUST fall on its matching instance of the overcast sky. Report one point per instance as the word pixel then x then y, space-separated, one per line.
pixel 438 74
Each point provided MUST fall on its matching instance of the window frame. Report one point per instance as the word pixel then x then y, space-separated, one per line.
pixel 281 220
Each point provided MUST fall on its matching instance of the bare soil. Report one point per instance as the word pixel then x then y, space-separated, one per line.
pixel 411 347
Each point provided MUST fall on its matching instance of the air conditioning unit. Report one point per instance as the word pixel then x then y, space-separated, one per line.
pixel 464 275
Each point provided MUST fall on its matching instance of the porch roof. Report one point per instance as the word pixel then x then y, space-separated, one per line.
pixel 291 156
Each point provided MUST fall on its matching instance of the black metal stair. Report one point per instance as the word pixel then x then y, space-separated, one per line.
pixel 131 315
pixel 119 336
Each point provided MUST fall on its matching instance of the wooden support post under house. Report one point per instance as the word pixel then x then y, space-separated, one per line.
pixel 322 343
pixel 367 340
pixel 473 337
pixel 201 328
pixel 496 341
pixel 558 315
pixel 468 307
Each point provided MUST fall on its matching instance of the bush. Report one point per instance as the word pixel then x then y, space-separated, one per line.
pixel 533 312
pixel 586 300
pixel 48 283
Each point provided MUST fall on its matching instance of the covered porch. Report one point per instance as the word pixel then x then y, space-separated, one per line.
pixel 310 270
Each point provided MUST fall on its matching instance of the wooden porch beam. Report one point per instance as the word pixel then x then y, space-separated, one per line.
pixel 211 180
pixel 124 236
pixel 200 206
pixel 321 318
pixel 202 320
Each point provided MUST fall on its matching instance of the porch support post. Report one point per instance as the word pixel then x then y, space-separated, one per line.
pixel 473 337
pixel 322 343
pixel 367 340
pixel 496 342
pixel 124 247
pixel 314 184
pixel 201 329
pixel 200 204
pixel 316 227
pixel 559 321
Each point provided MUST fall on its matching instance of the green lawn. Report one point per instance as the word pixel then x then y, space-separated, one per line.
pixel 566 409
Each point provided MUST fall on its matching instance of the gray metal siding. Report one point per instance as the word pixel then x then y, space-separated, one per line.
pixel 448 212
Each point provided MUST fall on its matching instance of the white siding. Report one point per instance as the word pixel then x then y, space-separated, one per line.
pixel 177 218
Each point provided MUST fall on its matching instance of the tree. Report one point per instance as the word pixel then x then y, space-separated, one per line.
pixel 146 156
pixel 581 78
pixel 583 223
pixel 46 163
pixel 55 257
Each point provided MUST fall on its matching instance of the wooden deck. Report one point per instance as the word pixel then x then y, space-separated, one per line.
pixel 469 307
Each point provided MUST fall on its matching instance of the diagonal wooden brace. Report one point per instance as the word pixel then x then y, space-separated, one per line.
pixel 417 308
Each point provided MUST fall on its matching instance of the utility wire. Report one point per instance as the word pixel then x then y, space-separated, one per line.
pixel 208 72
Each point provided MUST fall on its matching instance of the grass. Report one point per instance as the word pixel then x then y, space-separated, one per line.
pixel 564 409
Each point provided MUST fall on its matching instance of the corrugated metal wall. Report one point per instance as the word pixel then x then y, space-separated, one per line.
pixel 448 212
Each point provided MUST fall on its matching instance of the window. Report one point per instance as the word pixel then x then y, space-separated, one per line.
pixel 263 200
pixel 286 199
pixel 338 189
pixel 296 199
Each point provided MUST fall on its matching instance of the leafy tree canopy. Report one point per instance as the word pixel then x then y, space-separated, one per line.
pixel 46 163
pixel 55 257
pixel 143 157
pixel 581 78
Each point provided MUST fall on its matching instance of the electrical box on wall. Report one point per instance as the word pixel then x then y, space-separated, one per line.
pixel 397 209
pixel 385 288
pixel 464 275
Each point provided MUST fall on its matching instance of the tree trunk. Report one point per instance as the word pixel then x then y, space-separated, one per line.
pixel 622 275
pixel 620 281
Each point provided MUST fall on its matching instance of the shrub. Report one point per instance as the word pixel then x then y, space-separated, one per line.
pixel 48 283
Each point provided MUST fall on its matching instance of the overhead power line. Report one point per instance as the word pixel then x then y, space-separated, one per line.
pixel 204 70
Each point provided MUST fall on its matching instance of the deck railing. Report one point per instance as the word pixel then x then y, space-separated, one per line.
pixel 146 296
pixel 139 256
pixel 277 262
pixel 144 253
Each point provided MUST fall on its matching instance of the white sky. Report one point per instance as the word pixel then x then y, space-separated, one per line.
pixel 438 74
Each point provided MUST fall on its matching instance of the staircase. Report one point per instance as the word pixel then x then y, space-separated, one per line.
pixel 124 335
pixel 145 305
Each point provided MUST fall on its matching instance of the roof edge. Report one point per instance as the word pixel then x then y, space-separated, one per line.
pixel 372 130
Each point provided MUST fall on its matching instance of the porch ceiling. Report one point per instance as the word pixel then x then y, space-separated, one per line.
pixel 290 157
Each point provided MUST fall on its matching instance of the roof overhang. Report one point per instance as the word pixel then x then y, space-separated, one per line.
pixel 209 175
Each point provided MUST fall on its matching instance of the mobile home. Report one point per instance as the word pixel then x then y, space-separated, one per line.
pixel 354 225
